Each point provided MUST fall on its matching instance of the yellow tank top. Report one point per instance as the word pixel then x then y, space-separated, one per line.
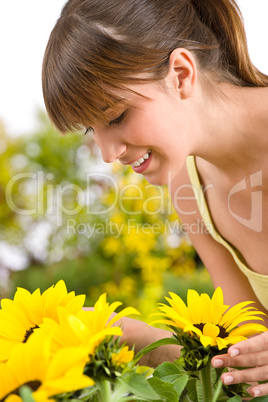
pixel 258 282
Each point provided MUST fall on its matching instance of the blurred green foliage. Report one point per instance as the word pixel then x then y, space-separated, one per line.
pixel 64 214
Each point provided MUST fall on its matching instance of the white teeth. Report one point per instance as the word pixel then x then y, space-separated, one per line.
pixel 141 160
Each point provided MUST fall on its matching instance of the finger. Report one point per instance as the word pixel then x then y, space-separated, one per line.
pixel 243 360
pixel 254 344
pixel 247 375
pixel 259 390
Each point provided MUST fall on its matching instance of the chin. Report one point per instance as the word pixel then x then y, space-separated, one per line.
pixel 157 180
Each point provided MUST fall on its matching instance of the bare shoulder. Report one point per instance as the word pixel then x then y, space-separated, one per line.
pixel 217 259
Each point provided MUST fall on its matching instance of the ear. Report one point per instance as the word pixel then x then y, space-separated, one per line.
pixel 182 72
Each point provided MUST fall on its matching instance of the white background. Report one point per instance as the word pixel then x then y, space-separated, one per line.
pixel 24 29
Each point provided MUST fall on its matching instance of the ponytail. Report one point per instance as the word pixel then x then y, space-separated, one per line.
pixel 224 19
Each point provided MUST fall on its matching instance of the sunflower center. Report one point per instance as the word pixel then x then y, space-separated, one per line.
pixel 34 385
pixel 223 333
pixel 28 333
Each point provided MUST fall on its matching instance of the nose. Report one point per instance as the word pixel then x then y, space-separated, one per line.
pixel 110 155
pixel 111 148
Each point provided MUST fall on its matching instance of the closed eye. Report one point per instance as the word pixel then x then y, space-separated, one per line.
pixel 118 119
pixel 89 130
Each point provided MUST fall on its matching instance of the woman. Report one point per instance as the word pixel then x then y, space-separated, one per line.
pixel 167 86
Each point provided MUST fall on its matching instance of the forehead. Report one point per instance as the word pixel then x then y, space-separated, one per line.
pixel 118 99
pixel 133 93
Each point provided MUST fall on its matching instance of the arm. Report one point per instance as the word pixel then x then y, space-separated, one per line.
pixel 139 334
pixel 224 272
pixel 217 259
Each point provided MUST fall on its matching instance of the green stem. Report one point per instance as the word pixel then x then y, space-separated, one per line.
pixel 105 391
pixel 205 377
pixel 187 399
pixel 217 391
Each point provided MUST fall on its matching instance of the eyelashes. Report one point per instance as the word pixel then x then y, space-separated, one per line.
pixel 89 130
pixel 118 120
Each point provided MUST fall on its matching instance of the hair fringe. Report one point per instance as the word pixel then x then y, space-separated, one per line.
pixel 98 48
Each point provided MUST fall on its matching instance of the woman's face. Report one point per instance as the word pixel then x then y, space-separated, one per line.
pixel 153 134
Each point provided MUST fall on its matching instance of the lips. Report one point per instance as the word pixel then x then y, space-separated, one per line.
pixel 141 160
pixel 142 166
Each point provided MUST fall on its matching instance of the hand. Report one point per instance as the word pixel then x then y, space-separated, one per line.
pixel 139 334
pixel 252 353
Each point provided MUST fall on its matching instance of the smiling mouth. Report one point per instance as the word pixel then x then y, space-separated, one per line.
pixel 141 160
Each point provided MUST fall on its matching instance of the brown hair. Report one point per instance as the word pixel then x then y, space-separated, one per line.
pixel 98 47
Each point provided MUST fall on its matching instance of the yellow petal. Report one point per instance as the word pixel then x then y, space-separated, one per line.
pixel 247 330
pixel 222 343
pixel 13 398
pixel 7 381
pixel 194 306
pixel 10 328
pixel 211 330
pixel 65 360
pixel 233 313
pixel 231 340
pixel 6 346
pixel 74 304
pixel 64 384
pixel 207 340
pixel 244 317
pixel 178 305
pixel 167 322
pixel 124 313
pixel 217 308
pixel 31 304
pixel 97 338
pixel 205 313
pixel 175 316
pixel 192 328
pixel 15 312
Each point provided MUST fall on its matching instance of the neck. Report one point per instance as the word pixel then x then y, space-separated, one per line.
pixel 236 129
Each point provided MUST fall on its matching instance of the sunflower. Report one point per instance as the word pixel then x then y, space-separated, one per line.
pixel 87 328
pixel 210 320
pixel 123 357
pixel 31 364
pixel 20 317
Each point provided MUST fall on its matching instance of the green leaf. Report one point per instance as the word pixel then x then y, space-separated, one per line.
pixel 180 384
pixel 199 391
pixel 260 399
pixel 168 369
pixel 169 378
pixel 164 389
pixel 172 373
pixel 26 394
pixel 191 388
pixel 236 398
pixel 139 386
pixel 149 348
pixel 88 392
